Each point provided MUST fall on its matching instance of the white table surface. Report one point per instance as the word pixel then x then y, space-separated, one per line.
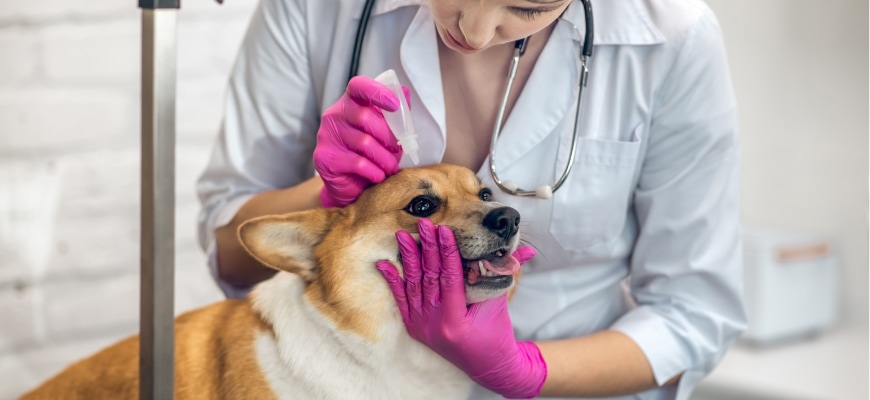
pixel 830 366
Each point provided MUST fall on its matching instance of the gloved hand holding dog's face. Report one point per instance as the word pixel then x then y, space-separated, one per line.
pixel 477 338
pixel 355 146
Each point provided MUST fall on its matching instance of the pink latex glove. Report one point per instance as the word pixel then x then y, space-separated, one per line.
pixel 477 338
pixel 355 146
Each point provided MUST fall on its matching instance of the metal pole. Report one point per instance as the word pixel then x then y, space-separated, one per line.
pixel 156 324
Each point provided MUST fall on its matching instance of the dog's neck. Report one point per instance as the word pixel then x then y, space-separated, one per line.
pixel 302 331
pixel 295 309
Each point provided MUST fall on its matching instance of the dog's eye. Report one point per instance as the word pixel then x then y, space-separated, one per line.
pixel 485 194
pixel 422 206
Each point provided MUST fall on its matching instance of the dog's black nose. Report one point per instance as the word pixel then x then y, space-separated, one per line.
pixel 503 221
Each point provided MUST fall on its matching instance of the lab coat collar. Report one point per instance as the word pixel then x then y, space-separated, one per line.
pixel 616 21
pixel 385 6
pixel 625 22
pixel 419 58
pixel 548 102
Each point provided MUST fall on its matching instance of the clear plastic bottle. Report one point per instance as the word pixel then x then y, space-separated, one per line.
pixel 400 120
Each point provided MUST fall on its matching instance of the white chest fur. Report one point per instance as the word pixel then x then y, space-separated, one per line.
pixel 309 357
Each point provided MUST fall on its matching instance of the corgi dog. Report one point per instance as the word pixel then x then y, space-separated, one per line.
pixel 326 326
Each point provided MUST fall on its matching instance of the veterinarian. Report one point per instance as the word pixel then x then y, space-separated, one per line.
pixel 636 287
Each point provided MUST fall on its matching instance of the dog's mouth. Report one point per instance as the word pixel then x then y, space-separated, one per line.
pixel 495 269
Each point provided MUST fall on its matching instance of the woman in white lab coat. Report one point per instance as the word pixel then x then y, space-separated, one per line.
pixel 653 195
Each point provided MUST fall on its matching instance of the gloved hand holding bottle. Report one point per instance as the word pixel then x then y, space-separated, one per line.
pixel 355 146
pixel 477 338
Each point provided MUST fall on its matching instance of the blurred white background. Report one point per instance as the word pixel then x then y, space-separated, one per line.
pixel 69 173
pixel 800 72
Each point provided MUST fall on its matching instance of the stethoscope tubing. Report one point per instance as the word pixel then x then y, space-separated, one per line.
pixel 519 48
pixel 360 36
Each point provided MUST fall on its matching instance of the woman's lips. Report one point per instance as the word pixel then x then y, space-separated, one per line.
pixel 457 43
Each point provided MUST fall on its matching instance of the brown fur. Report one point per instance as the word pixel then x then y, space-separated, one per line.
pixel 373 215
pixel 207 342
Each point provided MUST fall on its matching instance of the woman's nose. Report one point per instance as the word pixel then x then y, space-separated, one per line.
pixel 478 27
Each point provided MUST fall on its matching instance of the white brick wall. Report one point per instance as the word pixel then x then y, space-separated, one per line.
pixel 33 11
pixel 28 204
pixel 19 44
pixel 69 172
pixel 101 52
pixel 49 118
pixel 20 318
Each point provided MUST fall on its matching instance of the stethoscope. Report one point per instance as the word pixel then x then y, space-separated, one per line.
pixel 509 187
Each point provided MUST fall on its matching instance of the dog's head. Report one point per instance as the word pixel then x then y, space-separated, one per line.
pixel 335 250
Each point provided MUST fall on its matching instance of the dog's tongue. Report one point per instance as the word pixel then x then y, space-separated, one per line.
pixel 507 265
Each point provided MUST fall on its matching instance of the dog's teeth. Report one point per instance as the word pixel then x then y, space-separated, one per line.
pixel 483 270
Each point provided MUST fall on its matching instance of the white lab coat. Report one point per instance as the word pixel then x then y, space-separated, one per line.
pixel 653 193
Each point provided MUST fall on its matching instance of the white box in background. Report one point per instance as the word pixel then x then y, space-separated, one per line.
pixel 792 286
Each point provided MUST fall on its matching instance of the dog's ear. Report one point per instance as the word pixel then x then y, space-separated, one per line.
pixel 286 242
